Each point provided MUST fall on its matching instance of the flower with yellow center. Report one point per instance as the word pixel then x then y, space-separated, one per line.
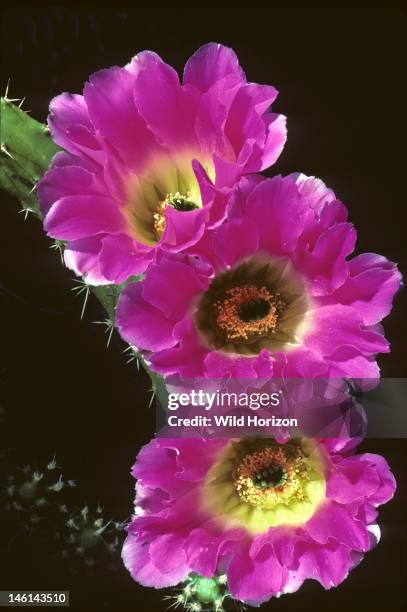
pixel 140 140
pixel 259 483
pixel 255 515
pixel 166 183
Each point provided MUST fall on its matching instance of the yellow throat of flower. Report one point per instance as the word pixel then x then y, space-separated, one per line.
pixel 166 181
pixel 259 483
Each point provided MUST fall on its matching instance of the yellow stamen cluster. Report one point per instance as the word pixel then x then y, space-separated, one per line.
pixel 159 218
pixel 295 470
pixel 177 201
pixel 229 319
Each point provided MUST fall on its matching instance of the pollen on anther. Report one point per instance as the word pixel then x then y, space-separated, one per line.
pixel 247 312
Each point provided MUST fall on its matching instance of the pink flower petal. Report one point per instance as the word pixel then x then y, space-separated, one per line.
pixel 254 580
pixel 338 326
pixel 140 323
pixel 82 256
pixel 167 109
pixel 160 288
pixel 109 96
pixel 235 240
pixel 121 257
pixel 333 521
pixel 370 287
pixel 74 217
pixel 136 557
pixel 210 64
pixel 71 128
pixel 66 180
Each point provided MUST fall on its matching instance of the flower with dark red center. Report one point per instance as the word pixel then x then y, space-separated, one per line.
pixel 256 305
pixel 272 292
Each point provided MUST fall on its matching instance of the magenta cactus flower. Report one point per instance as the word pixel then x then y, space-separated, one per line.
pixel 273 292
pixel 268 515
pixel 148 161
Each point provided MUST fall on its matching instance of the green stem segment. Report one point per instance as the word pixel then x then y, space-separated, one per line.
pixel 26 152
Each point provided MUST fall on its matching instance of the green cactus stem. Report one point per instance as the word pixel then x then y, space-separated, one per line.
pixel 26 151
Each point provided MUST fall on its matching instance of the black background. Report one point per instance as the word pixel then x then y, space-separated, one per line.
pixel 341 81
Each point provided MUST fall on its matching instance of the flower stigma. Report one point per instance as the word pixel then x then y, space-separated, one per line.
pixel 247 312
pixel 272 476
pixel 260 303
